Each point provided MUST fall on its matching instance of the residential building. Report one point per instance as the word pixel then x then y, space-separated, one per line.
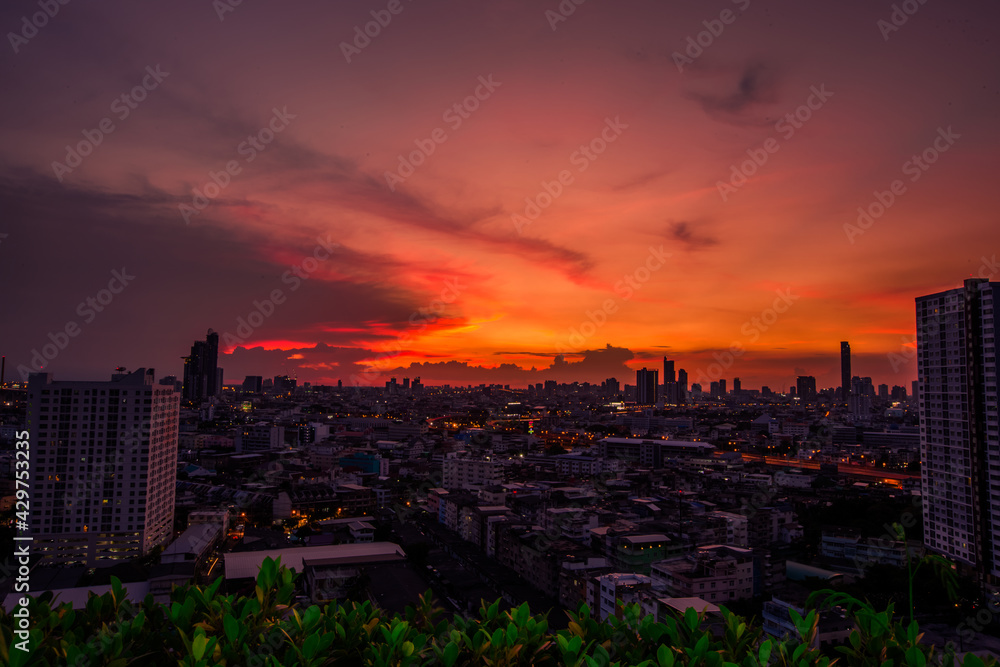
pixel 470 474
pixel 957 349
pixel 715 573
pixel 103 466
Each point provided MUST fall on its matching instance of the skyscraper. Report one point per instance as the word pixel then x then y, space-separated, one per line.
pixel 103 466
pixel 845 370
pixel 201 370
pixel 957 353
pixel 669 382
pixel 682 386
pixel 668 371
pixel 646 383
pixel 805 386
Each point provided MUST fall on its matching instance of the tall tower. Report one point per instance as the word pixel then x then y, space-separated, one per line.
pixel 668 371
pixel 845 370
pixel 670 394
pixel 201 370
pixel 646 383
pixel 103 466
pixel 957 353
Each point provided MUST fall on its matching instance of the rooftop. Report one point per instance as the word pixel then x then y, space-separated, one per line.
pixel 246 565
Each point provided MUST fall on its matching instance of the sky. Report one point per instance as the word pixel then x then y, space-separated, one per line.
pixel 491 192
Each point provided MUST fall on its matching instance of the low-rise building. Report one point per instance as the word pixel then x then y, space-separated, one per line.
pixel 717 574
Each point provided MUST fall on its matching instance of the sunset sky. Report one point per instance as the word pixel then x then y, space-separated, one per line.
pixel 650 236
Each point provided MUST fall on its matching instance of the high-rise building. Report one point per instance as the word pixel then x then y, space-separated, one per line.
pixel 722 387
pixel 670 393
pixel 201 370
pixel 845 370
pixel 737 386
pixel 646 383
pixel 668 371
pixel 805 386
pixel 859 397
pixel 103 466
pixel 957 353
pixel 253 384
pixel 682 386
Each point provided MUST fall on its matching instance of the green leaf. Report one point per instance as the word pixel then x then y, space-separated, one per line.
pixel 450 654
pixel 765 652
pixel 915 657
pixel 232 628
pixel 198 645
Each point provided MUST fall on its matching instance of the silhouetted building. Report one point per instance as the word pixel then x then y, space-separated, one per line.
pixel 845 370
pixel 646 384
pixel 201 370
pixel 253 384
pixel 806 386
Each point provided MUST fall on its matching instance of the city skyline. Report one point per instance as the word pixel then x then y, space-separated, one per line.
pixel 464 193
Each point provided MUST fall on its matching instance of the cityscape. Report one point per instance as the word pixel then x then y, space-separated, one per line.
pixel 419 333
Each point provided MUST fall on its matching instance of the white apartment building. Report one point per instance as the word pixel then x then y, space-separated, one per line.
pixel 103 466
pixel 957 349
pixel 470 474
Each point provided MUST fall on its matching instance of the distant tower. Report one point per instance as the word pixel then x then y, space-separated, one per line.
pixel 202 379
pixel 682 386
pixel 646 383
pixel 845 370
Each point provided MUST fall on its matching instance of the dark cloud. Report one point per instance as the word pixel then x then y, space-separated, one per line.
pixel 740 95
pixel 686 233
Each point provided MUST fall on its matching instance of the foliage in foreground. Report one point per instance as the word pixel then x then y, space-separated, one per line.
pixel 201 628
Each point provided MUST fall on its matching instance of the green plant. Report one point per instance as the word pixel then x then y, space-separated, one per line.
pixel 201 627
